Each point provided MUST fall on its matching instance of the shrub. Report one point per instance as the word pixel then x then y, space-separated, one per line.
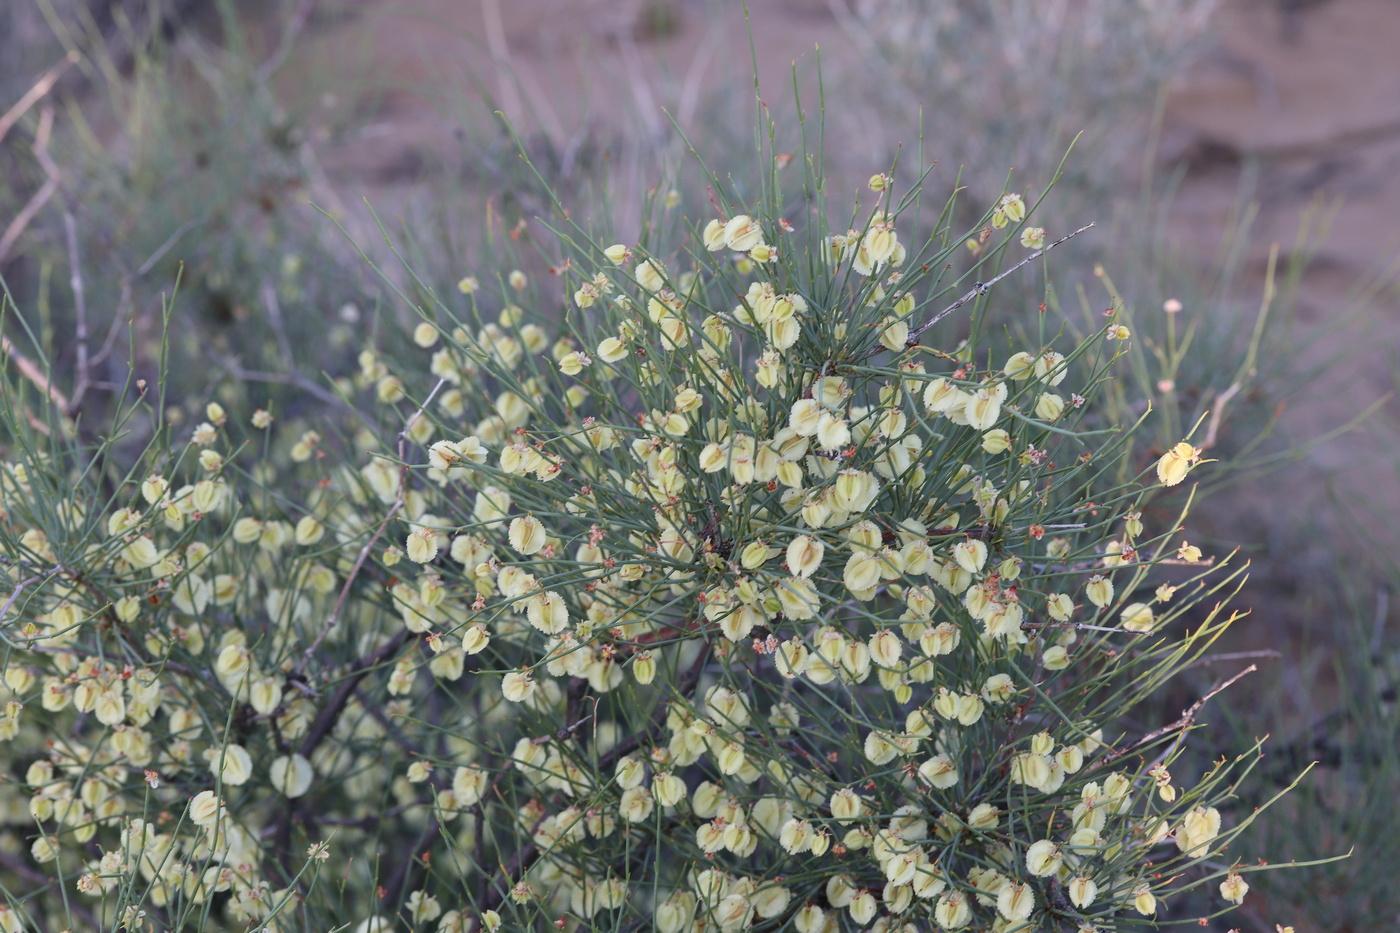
pixel 719 600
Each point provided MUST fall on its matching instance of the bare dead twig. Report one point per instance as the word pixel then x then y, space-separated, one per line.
pixel 981 288
pixel 41 197
pixel 1188 719
pixel 295 24
pixel 293 379
pixel 1378 625
pixel 31 371
pixel 391 728
pixel 393 891
pixel 499 47
pixel 17 865
pixel 350 578
pixel 1077 626
pixel 279 329
pixel 14 594
pixel 361 822
pixel 1217 415
pixel 115 328
pixel 36 93
pixel 1210 659
pixel 80 324
pixel 325 721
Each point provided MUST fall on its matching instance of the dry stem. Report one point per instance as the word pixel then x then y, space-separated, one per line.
pixel 981 288
pixel 35 93
pixel 1188 719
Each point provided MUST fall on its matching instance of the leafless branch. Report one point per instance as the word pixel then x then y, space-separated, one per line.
pixel 17 865
pixel 391 728
pixel 35 93
pixel 511 74
pixel 1217 415
pixel 115 328
pixel 325 721
pixel 165 247
pixel 1077 626
pixel 295 24
pixel 981 288
pixel 31 371
pixel 1210 659
pixel 46 191
pixel 393 891
pixel 279 329
pixel 14 594
pixel 80 335
pixel 360 822
pixel 1378 625
pixel 1188 719
pixel 294 379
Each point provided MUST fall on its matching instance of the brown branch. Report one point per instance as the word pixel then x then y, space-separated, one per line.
pixel 26 366
pixel 35 93
pixel 80 335
pixel 24 871
pixel 14 594
pixel 279 328
pixel 1221 400
pixel 41 197
pixel 295 25
pixel 322 725
pixel 1210 659
pixel 366 822
pixel 293 379
pixel 26 214
pixel 14 864
pixel 981 288
pixel 391 728
pixel 34 374
pixel 325 721
pixel 393 891
pixel 1188 719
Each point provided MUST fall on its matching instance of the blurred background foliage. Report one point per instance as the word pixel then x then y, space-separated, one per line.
pixel 185 158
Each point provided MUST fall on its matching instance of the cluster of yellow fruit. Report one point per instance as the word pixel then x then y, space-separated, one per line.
pixel 734 503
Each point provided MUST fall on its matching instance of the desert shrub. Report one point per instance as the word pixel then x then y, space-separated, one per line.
pixel 738 576
pixel 1036 78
